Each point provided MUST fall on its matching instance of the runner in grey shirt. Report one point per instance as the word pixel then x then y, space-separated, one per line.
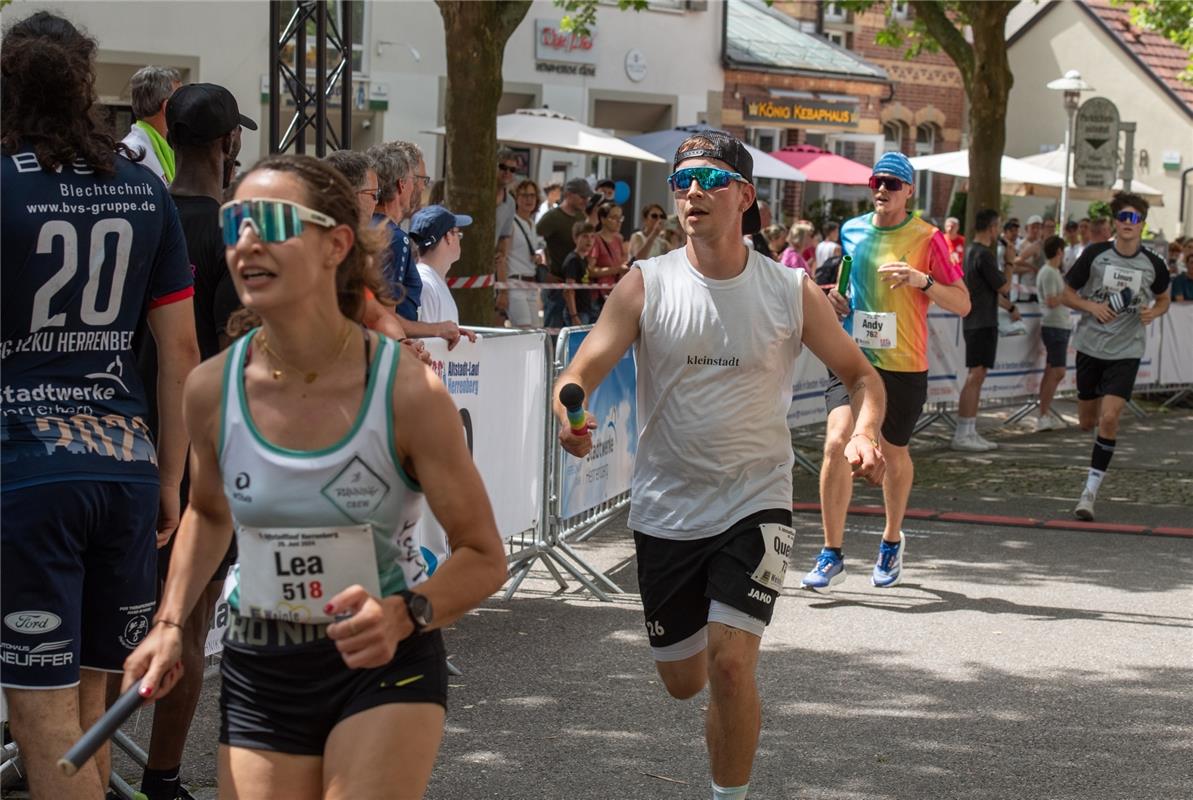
pixel 1118 287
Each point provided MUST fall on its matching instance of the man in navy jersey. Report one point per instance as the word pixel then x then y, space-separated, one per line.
pixel 89 244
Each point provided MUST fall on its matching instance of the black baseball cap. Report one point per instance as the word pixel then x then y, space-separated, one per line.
pixel 728 148
pixel 202 112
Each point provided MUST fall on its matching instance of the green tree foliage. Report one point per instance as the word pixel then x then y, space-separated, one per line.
pixel 580 15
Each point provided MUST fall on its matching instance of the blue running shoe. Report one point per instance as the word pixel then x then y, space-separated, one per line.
pixel 829 569
pixel 889 569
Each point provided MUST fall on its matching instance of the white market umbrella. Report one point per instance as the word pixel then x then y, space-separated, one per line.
pixel 1013 170
pixel 1055 160
pixel 665 142
pixel 550 130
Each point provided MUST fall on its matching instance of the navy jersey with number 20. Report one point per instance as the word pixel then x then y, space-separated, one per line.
pixel 82 258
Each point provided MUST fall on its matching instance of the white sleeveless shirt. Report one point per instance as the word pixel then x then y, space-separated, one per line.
pixel 357 481
pixel 715 365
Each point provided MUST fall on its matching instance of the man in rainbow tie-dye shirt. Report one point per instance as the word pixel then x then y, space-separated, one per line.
pixel 901 265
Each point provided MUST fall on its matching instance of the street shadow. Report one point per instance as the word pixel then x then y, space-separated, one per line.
pixel 562 701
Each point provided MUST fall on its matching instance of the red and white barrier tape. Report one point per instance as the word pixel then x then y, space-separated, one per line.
pixel 491 282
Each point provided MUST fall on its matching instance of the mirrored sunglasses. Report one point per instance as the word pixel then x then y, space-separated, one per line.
pixel 707 177
pixel 1130 217
pixel 272 220
pixel 889 183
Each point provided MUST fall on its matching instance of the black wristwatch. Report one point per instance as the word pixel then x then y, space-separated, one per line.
pixel 419 609
pixel 931 282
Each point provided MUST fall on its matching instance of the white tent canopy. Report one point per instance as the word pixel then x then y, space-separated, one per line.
pixel 1055 161
pixel 1014 171
pixel 540 127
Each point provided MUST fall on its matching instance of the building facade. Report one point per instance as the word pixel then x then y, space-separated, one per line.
pixel 639 71
pixel 826 58
pixel 1136 70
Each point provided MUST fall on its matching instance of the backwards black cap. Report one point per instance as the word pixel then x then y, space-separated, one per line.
pixel 202 112
pixel 728 148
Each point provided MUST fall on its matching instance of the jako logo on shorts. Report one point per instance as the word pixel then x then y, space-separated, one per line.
pixel 32 623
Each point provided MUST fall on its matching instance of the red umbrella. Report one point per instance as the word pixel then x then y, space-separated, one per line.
pixel 821 166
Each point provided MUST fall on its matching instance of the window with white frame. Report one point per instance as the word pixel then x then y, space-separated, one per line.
pixel 925 145
pixel 836 37
pixel 834 12
pixel 892 137
pixel 900 9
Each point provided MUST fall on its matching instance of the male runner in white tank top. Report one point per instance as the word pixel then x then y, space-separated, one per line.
pixel 717 328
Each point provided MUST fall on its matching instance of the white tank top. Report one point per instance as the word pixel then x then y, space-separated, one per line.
pixel 715 365
pixel 357 481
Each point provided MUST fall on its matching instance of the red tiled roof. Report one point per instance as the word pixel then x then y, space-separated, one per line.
pixel 1166 59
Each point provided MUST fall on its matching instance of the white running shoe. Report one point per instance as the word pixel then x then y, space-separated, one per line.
pixel 989 445
pixel 1085 506
pixel 970 443
pixel 1045 423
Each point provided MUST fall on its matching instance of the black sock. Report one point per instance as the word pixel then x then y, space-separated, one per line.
pixel 1103 451
pixel 160 784
pixel 835 551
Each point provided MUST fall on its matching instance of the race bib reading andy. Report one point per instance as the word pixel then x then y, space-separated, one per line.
pixel 777 541
pixel 875 330
pixel 1118 278
pixel 291 573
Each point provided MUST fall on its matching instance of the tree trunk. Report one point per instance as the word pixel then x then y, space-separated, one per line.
pixel 475 34
pixel 988 91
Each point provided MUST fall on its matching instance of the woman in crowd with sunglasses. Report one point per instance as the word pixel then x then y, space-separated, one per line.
pixel 334 681
pixel 609 250
pixel 649 241
pixel 523 308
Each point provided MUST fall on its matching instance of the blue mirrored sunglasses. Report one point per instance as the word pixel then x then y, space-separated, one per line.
pixel 1130 217
pixel 273 220
pixel 707 177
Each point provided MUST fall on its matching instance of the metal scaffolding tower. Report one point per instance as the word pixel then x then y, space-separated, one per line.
pixel 288 73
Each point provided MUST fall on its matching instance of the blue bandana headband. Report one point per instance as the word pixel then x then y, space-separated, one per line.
pixel 896 165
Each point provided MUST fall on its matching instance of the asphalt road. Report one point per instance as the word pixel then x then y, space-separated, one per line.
pixel 1012 663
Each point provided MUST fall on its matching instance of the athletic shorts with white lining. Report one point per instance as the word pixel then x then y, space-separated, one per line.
pixel 733 578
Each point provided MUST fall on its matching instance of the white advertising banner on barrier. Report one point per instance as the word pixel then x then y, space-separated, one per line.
pixel 499 384
pixel 606 472
pixel 1176 344
pixel 946 358
pixel 807 391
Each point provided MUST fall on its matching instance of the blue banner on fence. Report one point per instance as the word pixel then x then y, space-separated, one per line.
pixel 605 473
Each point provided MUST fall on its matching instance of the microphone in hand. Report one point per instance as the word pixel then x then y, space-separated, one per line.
pixel 572 397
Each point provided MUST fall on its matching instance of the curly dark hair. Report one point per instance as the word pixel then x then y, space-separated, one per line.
pixel 47 96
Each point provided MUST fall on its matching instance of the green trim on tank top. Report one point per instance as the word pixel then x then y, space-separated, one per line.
pixel 356 425
pixel 389 424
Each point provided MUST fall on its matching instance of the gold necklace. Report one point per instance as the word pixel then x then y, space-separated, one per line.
pixel 308 377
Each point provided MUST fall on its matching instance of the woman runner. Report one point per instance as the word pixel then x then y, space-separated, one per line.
pixel 315 440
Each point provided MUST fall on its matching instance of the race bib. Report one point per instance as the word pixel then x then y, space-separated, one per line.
pixel 291 573
pixel 1118 278
pixel 875 330
pixel 776 542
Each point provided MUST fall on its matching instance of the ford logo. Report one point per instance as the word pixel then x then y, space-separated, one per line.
pixel 32 622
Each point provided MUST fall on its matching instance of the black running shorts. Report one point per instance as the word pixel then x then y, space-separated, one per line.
pixel 1056 345
pixel 906 393
pixel 287 699
pixel 1098 376
pixel 981 345
pixel 678 579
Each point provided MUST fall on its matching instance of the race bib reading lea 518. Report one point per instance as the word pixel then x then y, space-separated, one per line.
pixel 291 573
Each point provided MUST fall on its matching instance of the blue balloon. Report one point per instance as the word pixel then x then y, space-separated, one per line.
pixel 621 192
